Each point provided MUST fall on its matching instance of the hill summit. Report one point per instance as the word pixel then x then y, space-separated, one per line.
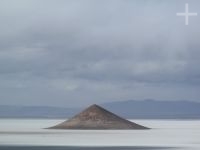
pixel 96 117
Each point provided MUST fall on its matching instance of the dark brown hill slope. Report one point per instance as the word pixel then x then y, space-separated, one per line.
pixel 96 117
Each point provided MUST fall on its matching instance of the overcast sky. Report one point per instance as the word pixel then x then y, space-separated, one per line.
pixel 78 52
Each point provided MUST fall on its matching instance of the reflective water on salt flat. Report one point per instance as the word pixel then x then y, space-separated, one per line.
pixel 183 134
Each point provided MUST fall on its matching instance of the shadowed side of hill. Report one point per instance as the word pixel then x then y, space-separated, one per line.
pixel 96 117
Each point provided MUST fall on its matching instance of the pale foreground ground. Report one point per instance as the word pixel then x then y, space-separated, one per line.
pixel 181 134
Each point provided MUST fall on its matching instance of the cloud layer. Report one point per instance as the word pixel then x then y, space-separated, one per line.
pixel 77 52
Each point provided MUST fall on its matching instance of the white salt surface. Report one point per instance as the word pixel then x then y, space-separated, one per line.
pixel 183 134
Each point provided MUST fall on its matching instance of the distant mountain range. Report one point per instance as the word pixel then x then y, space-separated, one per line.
pixel 132 109
pixel 7 111
pixel 152 109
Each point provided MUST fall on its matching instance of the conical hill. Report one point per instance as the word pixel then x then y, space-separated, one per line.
pixel 96 117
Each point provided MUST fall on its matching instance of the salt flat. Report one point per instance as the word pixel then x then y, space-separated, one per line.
pixel 178 134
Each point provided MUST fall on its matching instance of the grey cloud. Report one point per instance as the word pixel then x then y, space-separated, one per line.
pixel 79 52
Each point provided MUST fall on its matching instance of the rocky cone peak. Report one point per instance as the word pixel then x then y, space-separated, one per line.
pixel 96 117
